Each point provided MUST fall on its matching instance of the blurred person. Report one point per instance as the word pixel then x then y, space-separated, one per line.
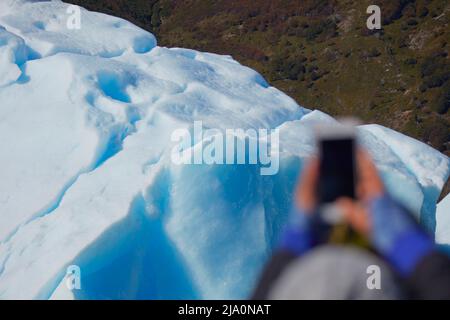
pixel 306 266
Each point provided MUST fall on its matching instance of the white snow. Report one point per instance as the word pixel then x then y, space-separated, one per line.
pixel 443 221
pixel 86 118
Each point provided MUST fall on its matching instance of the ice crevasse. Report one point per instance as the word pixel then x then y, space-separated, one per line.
pixel 86 176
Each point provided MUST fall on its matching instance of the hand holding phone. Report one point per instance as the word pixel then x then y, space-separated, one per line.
pixel 337 163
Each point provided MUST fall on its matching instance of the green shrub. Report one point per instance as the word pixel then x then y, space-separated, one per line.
pixel 325 26
pixel 288 66
pixel 312 68
pixel 315 75
pixel 443 102
pixel 436 80
pixel 423 87
pixel 423 12
pixel 155 19
pixel 392 9
pixel 437 133
pixel 374 52
pixel 412 22
pixel 429 66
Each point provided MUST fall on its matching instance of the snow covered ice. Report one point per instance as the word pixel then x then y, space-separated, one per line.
pixel 86 118
pixel 443 221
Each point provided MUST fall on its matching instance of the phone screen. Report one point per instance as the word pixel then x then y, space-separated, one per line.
pixel 337 169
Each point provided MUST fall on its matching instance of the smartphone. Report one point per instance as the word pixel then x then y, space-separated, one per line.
pixel 337 162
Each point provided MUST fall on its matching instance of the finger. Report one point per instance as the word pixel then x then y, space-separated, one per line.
pixel 310 174
pixel 307 185
pixel 355 215
pixel 369 184
pixel 365 164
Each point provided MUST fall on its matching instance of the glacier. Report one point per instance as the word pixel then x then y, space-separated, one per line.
pixel 443 222
pixel 86 118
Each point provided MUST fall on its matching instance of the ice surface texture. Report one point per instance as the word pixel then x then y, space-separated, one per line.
pixel 86 177
pixel 443 222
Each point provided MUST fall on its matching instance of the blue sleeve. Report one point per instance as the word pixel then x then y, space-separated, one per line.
pixel 297 237
pixel 397 236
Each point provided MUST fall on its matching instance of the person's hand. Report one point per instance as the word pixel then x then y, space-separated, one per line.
pixel 305 193
pixel 369 186
pixel 356 215
pixel 298 237
pixel 388 225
